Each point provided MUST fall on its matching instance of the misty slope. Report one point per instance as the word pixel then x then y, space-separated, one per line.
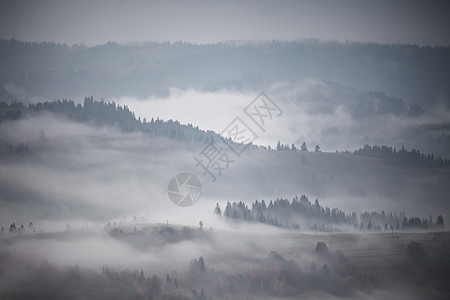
pixel 254 266
pixel 340 96
pixel 326 113
pixel 336 116
pixel 47 70
pixel 83 174
pixel 79 171
pixel 347 181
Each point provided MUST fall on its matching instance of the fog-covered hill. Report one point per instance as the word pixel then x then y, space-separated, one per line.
pixel 52 71
pixel 338 95
pixel 53 159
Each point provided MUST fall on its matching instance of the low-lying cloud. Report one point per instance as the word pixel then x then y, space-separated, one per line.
pixel 327 114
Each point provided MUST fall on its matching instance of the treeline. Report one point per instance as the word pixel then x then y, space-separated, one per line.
pixel 392 221
pixel 20 229
pixel 303 147
pixel 105 114
pixel 402 156
pixel 285 213
pixel 314 217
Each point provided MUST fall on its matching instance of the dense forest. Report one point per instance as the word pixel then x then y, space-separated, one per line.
pixel 100 113
pixel 314 217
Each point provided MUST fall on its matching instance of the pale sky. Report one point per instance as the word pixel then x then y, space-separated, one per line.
pixel 202 21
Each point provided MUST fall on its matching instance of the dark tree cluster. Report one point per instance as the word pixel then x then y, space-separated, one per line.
pixel 303 147
pixel 197 267
pixel 288 214
pixel 381 221
pixel 286 147
pixel 105 113
pixel 392 221
pixel 285 213
pixel 402 156
pixel 19 229
pixel 424 223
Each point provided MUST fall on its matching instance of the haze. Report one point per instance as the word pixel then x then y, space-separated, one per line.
pixel 224 149
pixel 96 22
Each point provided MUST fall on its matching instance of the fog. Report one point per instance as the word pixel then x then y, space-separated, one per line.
pixel 88 263
pixel 209 21
pixel 97 198
pixel 317 112
pixel 99 173
pixel 210 150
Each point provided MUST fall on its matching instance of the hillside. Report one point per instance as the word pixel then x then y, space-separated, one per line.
pixel 132 166
pixel 53 71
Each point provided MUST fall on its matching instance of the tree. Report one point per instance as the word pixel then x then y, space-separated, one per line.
pixel 278 146
pixel 404 223
pixel 228 210
pixel 217 210
pixel 155 285
pixel 304 147
pixel 168 279
pixel 317 149
pixel 293 147
pixel 325 270
pixel 201 264
pixel 440 222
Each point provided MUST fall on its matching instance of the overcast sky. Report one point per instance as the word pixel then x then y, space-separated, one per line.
pixel 95 22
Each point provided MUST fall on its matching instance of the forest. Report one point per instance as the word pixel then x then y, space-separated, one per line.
pixel 314 217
